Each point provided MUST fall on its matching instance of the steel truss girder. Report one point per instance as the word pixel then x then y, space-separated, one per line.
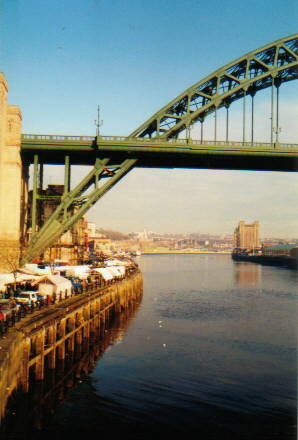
pixel 268 66
pixel 274 63
pixel 74 204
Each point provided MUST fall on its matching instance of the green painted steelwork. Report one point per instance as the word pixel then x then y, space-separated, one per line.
pixel 34 195
pixel 74 205
pixel 275 63
pixel 32 143
pixel 174 153
pixel 156 143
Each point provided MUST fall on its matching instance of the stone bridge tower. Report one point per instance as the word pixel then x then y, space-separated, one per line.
pixel 13 183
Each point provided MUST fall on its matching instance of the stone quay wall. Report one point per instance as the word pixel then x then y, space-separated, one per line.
pixel 39 341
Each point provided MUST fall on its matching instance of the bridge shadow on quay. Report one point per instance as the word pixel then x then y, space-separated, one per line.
pixel 28 413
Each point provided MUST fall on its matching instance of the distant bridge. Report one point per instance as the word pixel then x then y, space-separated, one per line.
pixel 164 140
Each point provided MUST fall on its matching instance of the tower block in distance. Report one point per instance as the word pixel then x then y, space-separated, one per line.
pixel 12 182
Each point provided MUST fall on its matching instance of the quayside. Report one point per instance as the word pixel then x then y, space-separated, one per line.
pixel 27 412
pixel 41 345
pixel 282 261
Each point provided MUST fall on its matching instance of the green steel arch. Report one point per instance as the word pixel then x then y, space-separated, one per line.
pixel 269 65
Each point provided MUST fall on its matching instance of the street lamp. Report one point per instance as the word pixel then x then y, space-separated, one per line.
pixel 98 122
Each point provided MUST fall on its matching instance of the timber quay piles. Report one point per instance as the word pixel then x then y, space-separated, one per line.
pixel 42 340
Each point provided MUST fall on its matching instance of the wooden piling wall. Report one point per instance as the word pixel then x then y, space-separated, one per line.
pixel 41 340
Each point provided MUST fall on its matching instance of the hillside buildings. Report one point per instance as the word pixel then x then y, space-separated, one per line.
pixel 97 242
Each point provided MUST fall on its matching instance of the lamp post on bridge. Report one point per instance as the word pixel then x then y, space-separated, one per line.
pixel 98 122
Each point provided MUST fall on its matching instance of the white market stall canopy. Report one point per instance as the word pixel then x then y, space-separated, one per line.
pixel 50 284
pixel 104 272
pixel 118 270
pixel 117 262
pixel 108 273
pixel 74 271
pixel 9 278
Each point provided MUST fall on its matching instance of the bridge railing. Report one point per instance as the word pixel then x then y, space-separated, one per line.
pixel 124 139
pixel 57 137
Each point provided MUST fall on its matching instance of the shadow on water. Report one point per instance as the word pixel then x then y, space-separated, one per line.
pixel 221 364
pixel 28 413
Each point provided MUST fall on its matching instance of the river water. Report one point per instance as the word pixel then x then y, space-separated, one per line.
pixel 211 352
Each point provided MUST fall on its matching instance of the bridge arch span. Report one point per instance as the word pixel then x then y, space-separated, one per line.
pixel 113 157
pixel 270 65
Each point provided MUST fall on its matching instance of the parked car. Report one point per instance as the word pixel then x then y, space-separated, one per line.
pixel 27 298
pixel 8 309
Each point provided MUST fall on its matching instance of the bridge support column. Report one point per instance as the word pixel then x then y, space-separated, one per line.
pixel 227 106
pixel 202 129
pixel 244 116
pixel 252 116
pixel 11 181
pixel 215 123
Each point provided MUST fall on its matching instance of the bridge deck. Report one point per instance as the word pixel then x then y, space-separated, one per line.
pixel 161 153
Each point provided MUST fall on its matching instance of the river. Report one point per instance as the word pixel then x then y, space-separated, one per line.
pixel 211 352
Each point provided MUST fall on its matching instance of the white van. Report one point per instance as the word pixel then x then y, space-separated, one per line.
pixel 27 298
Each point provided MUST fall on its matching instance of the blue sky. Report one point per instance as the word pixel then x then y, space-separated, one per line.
pixel 63 58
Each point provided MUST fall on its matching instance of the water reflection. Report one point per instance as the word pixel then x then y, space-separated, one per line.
pixel 203 358
pixel 247 274
pixel 27 413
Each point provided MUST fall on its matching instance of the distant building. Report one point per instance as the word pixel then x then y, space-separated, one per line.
pixel 99 244
pixel 72 245
pixel 246 236
pixel 91 227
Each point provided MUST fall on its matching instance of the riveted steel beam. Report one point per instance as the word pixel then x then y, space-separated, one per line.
pixel 255 70
pixel 34 195
pixel 156 144
pixel 58 222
